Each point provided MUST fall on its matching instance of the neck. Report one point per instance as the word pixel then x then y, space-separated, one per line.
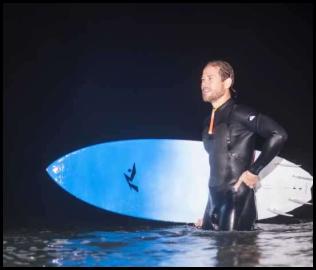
pixel 220 101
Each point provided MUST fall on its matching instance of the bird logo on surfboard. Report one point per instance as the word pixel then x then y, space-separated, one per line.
pixel 129 179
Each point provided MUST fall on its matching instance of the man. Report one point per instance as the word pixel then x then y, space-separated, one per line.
pixel 229 138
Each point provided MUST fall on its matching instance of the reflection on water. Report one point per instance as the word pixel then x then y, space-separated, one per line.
pixel 271 245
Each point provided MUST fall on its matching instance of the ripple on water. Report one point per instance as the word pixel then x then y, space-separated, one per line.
pixel 272 245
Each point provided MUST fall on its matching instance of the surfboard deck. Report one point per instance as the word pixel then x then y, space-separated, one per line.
pixel 167 180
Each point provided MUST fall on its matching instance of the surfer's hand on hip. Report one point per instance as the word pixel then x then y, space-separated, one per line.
pixel 248 178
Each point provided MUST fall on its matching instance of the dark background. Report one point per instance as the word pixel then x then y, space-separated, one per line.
pixel 81 74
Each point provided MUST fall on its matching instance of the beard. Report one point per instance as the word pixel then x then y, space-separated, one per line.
pixel 212 95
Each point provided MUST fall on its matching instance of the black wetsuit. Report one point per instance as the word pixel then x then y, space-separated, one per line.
pixel 231 150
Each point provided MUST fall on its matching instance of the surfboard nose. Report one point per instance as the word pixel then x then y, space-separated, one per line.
pixel 55 170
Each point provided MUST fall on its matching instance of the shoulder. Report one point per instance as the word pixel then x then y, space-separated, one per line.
pixel 243 112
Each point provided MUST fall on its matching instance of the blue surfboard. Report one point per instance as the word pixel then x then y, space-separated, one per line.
pixel 167 180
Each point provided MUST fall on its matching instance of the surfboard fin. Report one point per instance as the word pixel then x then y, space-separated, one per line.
pixel 288 165
pixel 303 178
pixel 278 212
pixel 300 202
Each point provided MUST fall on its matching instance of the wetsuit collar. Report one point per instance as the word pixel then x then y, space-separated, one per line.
pixel 225 104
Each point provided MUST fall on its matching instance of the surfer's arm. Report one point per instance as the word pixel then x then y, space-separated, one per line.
pixel 274 135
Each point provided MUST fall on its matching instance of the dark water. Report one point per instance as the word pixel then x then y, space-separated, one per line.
pixel 181 245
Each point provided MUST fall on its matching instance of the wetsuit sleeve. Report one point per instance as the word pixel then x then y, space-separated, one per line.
pixel 275 136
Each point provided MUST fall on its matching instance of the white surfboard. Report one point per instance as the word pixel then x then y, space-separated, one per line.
pixel 167 180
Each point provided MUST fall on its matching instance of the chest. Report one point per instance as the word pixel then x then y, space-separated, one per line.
pixel 225 133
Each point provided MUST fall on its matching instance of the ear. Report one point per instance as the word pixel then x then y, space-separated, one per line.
pixel 228 83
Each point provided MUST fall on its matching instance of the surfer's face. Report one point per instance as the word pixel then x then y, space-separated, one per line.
pixel 212 85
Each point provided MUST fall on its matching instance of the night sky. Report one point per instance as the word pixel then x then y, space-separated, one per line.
pixel 81 74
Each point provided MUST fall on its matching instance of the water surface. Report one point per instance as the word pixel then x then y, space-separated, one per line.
pixel 180 245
